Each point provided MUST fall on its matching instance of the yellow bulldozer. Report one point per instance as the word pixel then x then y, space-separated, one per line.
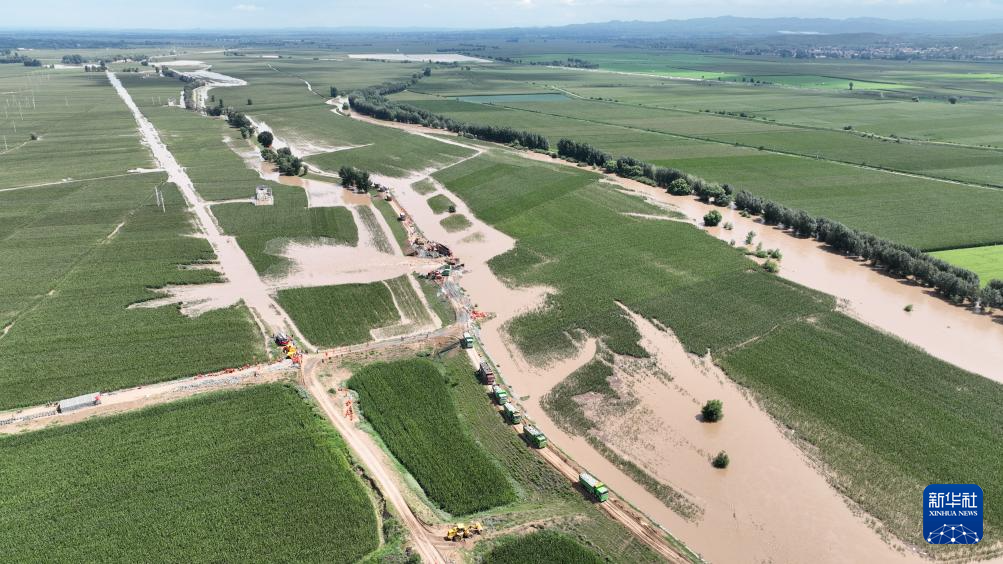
pixel 461 531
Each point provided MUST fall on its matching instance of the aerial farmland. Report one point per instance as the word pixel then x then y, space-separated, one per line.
pixel 708 290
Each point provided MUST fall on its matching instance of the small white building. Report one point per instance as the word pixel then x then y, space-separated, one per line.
pixel 263 196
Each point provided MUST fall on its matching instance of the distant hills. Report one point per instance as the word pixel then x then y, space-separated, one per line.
pixel 736 26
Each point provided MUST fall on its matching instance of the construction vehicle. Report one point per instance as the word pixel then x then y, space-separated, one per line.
pixel 461 531
pixel 511 413
pixel 289 349
pixel 486 374
pixel 534 436
pixel 499 394
pixel 467 341
pixel 596 488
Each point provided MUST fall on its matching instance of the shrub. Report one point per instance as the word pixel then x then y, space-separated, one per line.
pixel 721 460
pixel 771 266
pixel 680 187
pixel 712 411
pixel 712 218
pixel 908 308
pixel 266 138
pixel 953 99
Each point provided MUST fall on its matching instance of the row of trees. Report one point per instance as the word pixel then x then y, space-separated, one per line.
pixel 10 57
pixel 952 282
pixel 571 62
pixel 372 102
pixel 352 177
pixel 629 167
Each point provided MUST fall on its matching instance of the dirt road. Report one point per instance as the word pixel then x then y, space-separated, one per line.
pixel 118 401
pixel 240 274
pixel 366 454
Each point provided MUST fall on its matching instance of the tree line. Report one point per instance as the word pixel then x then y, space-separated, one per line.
pixel 9 57
pixel 952 282
pixel 372 102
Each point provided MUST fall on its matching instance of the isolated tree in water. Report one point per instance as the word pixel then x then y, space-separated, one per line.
pixel 712 218
pixel 712 411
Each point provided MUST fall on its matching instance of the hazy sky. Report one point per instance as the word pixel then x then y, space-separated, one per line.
pixel 189 14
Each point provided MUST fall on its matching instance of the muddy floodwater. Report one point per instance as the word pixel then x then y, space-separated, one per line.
pixel 774 507
pixel 951 333
pixel 751 505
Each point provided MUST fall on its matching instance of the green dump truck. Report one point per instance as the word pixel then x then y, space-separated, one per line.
pixel 534 436
pixel 499 394
pixel 511 413
pixel 593 486
pixel 467 342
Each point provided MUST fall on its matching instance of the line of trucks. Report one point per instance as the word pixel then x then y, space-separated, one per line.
pixel 532 435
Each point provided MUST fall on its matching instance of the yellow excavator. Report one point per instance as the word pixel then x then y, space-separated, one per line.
pixel 461 531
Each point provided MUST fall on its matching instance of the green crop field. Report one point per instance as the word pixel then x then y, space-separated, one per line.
pixel 560 214
pixel 76 256
pixel 456 222
pixel 282 100
pixel 715 299
pixel 812 168
pixel 987 262
pixel 394 157
pixel 64 109
pixel 838 383
pixel 263 231
pixel 198 144
pixel 409 405
pixel 541 547
pixel 407 300
pixel 439 203
pixel 331 316
pixel 251 475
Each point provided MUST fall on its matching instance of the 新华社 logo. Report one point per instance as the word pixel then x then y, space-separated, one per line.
pixel 952 514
